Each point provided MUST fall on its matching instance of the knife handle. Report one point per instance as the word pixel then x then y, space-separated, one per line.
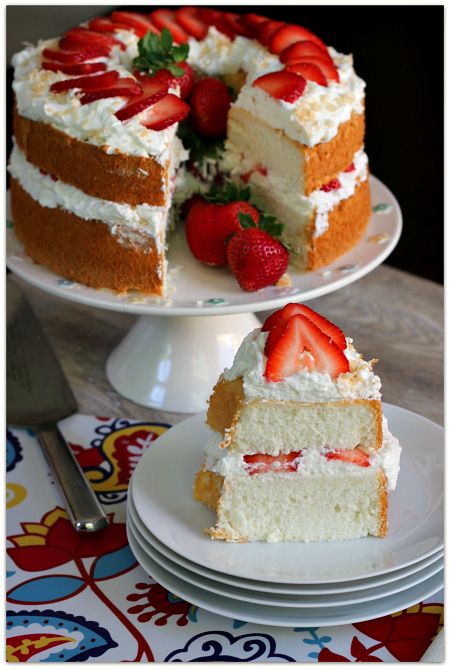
pixel 84 511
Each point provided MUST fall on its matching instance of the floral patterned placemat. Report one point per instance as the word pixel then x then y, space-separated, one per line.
pixel 74 598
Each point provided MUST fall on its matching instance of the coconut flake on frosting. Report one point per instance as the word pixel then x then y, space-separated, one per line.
pixel 302 386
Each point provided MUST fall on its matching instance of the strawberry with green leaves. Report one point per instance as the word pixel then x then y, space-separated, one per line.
pixel 212 220
pixel 159 57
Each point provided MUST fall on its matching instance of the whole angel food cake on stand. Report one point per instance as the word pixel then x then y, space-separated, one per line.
pixel 299 449
pixel 126 116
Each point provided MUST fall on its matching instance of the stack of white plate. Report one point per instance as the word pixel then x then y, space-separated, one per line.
pixel 290 584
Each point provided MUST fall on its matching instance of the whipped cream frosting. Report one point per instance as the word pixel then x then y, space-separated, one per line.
pixel 94 122
pixel 311 463
pixel 313 118
pixel 124 220
pixel 302 386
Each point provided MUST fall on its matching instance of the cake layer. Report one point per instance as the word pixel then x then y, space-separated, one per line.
pixel 300 168
pixel 273 427
pixel 111 176
pixel 273 508
pixel 346 225
pixel 86 251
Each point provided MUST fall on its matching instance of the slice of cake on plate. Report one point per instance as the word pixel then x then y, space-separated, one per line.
pixel 299 448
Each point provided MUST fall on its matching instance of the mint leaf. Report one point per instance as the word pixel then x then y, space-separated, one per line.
pixel 157 52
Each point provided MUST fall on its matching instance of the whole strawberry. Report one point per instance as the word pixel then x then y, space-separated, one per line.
pixel 209 102
pixel 209 226
pixel 184 81
pixel 256 258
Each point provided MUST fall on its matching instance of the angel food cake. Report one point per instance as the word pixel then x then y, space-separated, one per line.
pixel 299 449
pixel 99 159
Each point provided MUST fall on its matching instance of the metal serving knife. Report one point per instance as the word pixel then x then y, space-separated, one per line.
pixel 38 396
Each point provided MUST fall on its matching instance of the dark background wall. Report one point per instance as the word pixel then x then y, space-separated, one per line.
pixel 398 51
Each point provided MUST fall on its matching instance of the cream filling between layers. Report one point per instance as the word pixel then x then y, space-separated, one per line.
pixel 297 210
pixel 128 223
pixel 302 386
pixel 311 462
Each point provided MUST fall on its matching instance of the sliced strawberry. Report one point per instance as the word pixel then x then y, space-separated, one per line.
pixel 350 168
pixel 189 20
pixel 252 23
pixel 334 184
pixel 167 111
pixel 295 52
pixel 82 36
pixel 267 29
pixel 74 68
pixel 310 71
pixel 327 67
pixel 287 35
pixel 235 24
pixel 102 25
pixel 126 88
pixel 299 335
pixel 87 52
pixel 153 89
pixel 224 27
pixel 90 83
pixel 139 23
pixel 282 85
pixel 354 456
pixel 276 323
pixel 166 18
pixel 260 463
pixel 209 16
pixel 284 358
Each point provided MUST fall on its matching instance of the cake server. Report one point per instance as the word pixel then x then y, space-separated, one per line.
pixel 38 396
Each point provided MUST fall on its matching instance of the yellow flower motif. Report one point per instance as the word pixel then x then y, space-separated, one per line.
pixel 35 533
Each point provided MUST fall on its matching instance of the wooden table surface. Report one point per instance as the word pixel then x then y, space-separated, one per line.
pixel 391 315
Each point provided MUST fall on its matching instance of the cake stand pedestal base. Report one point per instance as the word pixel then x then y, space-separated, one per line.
pixel 172 363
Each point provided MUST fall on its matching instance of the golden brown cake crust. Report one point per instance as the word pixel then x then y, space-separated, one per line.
pixel 208 488
pixel 83 251
pixel 323 162
pixel 224 403
pixel 384 503
pixel 110 176
pixel 346 225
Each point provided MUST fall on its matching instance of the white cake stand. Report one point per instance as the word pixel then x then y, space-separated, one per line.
pixel 173 355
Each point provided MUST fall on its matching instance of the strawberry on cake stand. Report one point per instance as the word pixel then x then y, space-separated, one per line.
pixel 173 354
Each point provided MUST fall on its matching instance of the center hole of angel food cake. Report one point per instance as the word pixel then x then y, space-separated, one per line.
pixel 261 463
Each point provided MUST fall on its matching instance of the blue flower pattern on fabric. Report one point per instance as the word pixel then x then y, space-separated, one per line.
pixel 224 647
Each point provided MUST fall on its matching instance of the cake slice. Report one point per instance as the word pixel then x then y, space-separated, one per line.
pixel 299 449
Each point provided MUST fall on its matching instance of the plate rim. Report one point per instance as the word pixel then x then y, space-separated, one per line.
pixel 164 308
pixel 274 588
pixel 211 586
pixel 311 622
pixel 238 571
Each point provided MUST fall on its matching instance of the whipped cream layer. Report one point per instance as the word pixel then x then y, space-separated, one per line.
pixel 95 122
pixel 296 210
pixel 123 220
pixel 302 386
pixel 310 463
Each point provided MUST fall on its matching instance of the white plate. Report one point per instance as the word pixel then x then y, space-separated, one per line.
pixel 283 616
pixel 199 289
pixel 291 601
pixel 259 586
pixel 162 494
